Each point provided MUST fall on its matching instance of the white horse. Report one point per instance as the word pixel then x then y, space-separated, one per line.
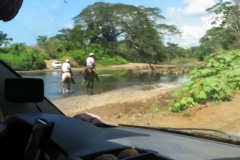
pixel 66 82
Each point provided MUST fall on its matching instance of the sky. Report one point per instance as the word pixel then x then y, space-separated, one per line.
pixel 47 17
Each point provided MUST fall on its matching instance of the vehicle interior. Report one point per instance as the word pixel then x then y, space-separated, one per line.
pixel 33 128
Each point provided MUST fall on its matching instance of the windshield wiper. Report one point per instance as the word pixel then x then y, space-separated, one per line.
pixel 205 133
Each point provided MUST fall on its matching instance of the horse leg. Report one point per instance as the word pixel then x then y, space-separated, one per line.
pixel 62 83
pixel 92 87
pixel 68 84
pixel 96 75
pixel 64 79
pixel 64 87
pixel 63 90
pixel 88 86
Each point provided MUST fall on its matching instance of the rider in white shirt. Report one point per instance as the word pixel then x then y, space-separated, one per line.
pixel 66 71
pixel 66 66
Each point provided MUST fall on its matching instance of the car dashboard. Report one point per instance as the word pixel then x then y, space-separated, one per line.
pixel 75 139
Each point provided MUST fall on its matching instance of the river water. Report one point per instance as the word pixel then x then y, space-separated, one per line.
pixel 109 80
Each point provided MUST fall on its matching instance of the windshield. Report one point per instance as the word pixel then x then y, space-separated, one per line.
pixel 165 64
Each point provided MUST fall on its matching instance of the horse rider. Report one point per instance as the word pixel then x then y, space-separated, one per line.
pixel 66 71
pixel 90 63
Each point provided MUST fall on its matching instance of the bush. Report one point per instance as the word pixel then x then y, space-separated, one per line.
pixel 39 64
pixel 107 61
pixel 21 58
pixel 216 81
pixel 20 63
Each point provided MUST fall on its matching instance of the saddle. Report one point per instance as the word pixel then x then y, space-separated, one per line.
pixel 90 70
pixel 90 73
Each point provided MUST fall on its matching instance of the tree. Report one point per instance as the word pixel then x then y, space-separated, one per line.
pixel 42 41
pixel 226 13
pixel 76 38
pixel 138 27
pixel 174 51
pixel 3 39
pixel 217 38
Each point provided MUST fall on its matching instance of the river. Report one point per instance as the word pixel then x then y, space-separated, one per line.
pixel 109 80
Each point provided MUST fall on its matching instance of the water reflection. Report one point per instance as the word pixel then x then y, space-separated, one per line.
pixel 109 80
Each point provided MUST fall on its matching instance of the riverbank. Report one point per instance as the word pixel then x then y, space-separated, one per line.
pixel 137 67
pixel 75 104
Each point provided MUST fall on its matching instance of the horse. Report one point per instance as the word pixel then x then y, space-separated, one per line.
pixel 89 76
pixel 66 82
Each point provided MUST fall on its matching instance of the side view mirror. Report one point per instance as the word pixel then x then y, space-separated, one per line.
pixel 24 90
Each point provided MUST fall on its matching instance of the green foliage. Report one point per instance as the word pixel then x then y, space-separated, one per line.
pixel 217 38
pixel 107 61
pixel 216 81
pixel 22 58
pixel 3 39
pixel 181 61
pixel 140 29
pixel 40 55
pixel 16 49
pixel 78 55
pixel 226 14
pixel 42 41
pixel 225 33
pixel 39 64
pixel 101 57
pixel 20 63
pixel 154 108
pixel 183 104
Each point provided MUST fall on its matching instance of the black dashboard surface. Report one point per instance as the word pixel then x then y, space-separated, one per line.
pixel 79 139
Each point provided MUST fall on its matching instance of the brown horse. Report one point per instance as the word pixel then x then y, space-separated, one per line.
pixel 89 76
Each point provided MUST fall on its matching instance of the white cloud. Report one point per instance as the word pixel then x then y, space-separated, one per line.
pixel 192 33
pixel 197 7
pixel 69 25
pixel 192 20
